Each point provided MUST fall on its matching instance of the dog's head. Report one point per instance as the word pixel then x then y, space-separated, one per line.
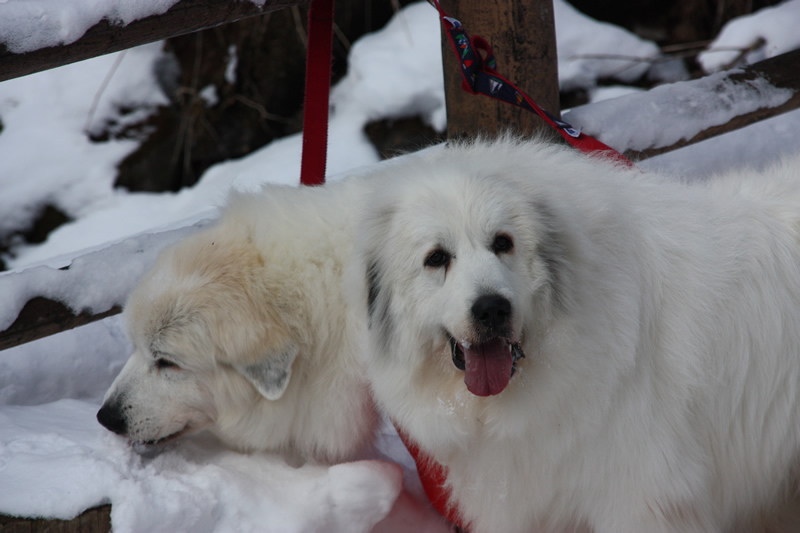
pixel 241 329
pixel 460 263
pixel 213 338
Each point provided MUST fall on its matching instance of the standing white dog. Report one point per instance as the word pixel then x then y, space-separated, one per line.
pixel 589 347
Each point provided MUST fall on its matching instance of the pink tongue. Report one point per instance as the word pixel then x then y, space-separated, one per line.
pixel 488 367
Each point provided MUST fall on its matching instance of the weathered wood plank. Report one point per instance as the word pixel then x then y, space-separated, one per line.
pixel 186 16
pixel 96 520
pixel 42 317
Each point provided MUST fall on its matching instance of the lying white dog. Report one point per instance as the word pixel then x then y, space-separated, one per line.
pixel 589 347
pixel 242 329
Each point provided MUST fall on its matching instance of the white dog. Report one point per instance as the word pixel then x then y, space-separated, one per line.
pixel 589 347
pixel 243 329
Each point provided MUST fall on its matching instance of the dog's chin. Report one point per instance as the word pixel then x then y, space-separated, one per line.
pixel 489 365
pixel 144 447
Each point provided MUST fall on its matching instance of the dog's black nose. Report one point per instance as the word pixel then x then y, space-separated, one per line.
pixel 491 311
pixel 110 416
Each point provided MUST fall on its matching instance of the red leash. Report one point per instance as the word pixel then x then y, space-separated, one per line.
pixel 479 76
pixel 433 477
pixel 318 88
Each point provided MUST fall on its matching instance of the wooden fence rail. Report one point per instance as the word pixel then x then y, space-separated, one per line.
pixel 186 16
pixel 40 317
pixel 96 520
pixel 783 72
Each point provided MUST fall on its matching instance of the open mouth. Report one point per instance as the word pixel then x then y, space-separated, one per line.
pixel 488 366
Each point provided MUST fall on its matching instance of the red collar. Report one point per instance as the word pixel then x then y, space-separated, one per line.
pixel 433 477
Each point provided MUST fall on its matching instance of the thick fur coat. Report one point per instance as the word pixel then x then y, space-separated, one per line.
pixel 585 346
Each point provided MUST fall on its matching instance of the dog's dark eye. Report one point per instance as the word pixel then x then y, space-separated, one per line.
pixel 502 244
pixel 437 258
pixel 162 363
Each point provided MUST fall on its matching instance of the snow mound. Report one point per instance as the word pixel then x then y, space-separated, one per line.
pixel 197 486
pixel 580 59
pixel 775 26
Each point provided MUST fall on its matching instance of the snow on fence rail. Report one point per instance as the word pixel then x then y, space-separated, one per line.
pixel 93 520
pixel 692 111
pixel 42 301
pixel 107 36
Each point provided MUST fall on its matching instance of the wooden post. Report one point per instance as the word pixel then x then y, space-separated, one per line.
pixel 523 37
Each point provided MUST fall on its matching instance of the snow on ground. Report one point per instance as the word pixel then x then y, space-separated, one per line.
pixel 55 460
pixel 756 146
pixel 195 485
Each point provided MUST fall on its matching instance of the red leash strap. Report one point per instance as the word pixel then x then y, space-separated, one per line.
pixel 433 476
pixel 318 88
pixel 478 70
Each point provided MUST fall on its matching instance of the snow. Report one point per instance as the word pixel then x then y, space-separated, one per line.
pixel 415 71
pixel 94 281
pixel 79 364
pixel 55 460
pixel 611 52
pixel 718 97
pixel 194 486
pixel 49 111
pixel 598 94
pixel 776 26
pixel 27 25
pixel 757 146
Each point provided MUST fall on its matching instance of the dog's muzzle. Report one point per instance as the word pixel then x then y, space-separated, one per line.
pixel 489 358
pixel 488 366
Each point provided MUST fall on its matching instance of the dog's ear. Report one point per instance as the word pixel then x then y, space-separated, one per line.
pixel 270 376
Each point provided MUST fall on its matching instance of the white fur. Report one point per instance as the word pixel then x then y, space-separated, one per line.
pixel 660 323
pixel 232 306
